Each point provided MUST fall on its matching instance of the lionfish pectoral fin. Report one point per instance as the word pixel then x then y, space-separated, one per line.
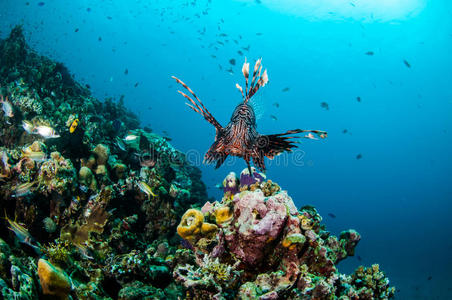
pixel 274 144
pixel 197 105
pixel 249 167
pixel 220 160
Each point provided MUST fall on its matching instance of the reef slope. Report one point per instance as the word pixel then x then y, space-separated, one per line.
pixel 93 203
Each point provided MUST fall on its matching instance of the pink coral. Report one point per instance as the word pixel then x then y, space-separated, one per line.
pixel 257 222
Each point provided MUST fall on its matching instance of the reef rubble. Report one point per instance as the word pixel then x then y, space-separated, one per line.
pixel 98 208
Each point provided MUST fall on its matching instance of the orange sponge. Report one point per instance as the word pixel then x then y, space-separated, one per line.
pixel 54 280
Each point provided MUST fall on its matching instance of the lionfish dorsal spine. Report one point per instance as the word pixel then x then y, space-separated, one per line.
pixel 197 105
pixel 257 81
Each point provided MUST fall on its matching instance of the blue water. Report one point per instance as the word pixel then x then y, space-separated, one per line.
pixel 398 195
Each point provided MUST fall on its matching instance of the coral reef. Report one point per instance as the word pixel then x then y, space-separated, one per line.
pixel 74 184
pixel 97 201
pixel 268 249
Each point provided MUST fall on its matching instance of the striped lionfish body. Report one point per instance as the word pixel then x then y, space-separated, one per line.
pixel 240 137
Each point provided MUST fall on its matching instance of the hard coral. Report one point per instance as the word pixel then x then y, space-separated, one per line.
pixel 56 174
pixel 86 178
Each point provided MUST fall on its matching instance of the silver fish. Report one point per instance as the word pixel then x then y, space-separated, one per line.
pixel 46 132
pixel 6 106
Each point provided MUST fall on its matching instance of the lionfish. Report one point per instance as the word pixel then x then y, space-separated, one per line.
pixel 240 137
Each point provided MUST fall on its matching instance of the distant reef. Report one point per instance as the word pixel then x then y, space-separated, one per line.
pixel 98 208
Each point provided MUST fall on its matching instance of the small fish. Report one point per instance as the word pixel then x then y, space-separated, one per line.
pixel 76 30
pixel 310 136
pixel 35 156
pixel 359 258
pixel 4 158
pixel 145 188
pixel 370 53
pixel 41 3
pixel 429 278
pixel 286 89
pixel 73 126
pixel 230 71
pixel 359 156
pixel 21 233
pixel 352 4
pixel 344 131
pixel 136 84
pixel 23 189
pixel 99 39
pixel 232 61
pixel 7 107
pixel 6 169
pixel 239 52
pixel 273 117
pixel 276 104
pixel 325 105
pixel 407 64
pixel 126 71
pixel 83 250
pixel 27 126
pixel 358 99
pixel 332 215
pixel 258 33
pixel 130 137
pixel 46 132
pixel 120 144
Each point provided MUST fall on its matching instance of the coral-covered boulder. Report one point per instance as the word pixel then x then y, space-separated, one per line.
pixel 258 222
pixel 272 250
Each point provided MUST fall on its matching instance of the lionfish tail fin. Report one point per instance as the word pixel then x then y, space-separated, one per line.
pixel 197 105
pixel 257 81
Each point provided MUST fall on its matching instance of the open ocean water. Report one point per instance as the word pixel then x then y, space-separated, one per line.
pixel 377 75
